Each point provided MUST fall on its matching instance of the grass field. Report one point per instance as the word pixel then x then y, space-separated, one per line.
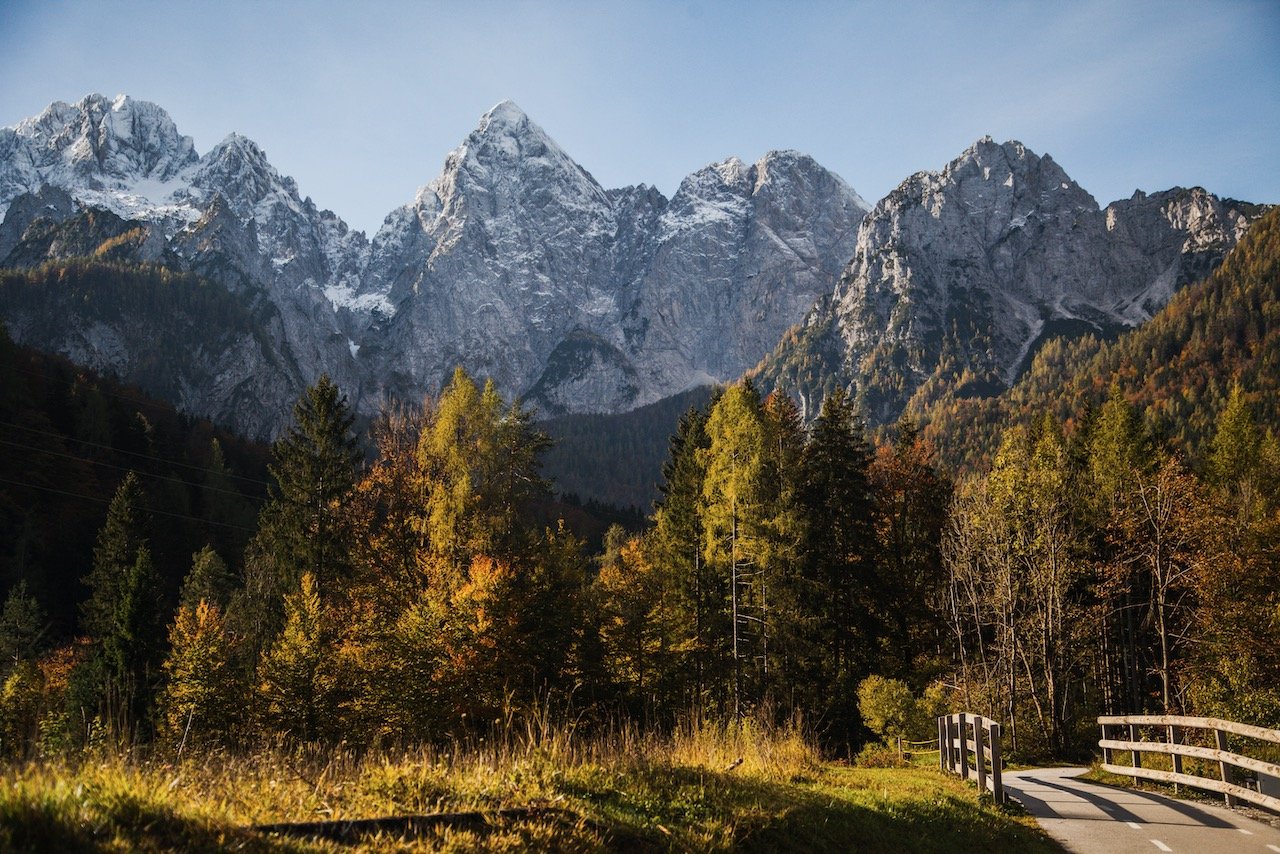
pixel 615 792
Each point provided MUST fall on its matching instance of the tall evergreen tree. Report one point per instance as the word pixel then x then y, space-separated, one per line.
pixel 840 554
pixel 676 544
pixel 836 493
pixel 304 528
pixel 209 580
pixel 132 649
pixel 114 556
pixel 910 512
pixel 315 469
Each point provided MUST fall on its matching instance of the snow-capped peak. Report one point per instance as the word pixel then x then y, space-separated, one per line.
pixel 505 114
pixel 118 139
pixel 505 143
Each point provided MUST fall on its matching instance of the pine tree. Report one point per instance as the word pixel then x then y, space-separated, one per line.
pixel 114 555
pixel 22 628
pixel 209 580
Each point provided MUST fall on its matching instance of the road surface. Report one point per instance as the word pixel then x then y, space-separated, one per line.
pixel 1086 818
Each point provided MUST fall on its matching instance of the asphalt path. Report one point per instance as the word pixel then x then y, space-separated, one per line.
pixel 1087 817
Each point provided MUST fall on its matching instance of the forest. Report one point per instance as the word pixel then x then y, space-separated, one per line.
pixel 411 584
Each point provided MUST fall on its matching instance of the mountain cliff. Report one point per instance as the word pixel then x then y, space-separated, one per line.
pixel 513 262
pixel 959 276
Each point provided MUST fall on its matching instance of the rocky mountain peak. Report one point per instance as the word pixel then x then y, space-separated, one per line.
pixel 238 169
pixel 512 158
pixel 108 139
pixel 960 275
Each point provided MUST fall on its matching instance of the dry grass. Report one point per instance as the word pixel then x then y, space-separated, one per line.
pixel 618 789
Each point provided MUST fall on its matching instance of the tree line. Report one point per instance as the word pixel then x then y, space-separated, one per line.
pixel 421 593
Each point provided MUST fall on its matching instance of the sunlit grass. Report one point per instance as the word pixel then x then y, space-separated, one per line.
pixel 699 788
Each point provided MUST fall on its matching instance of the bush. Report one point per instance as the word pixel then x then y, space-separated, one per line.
pixel 879 755
pixel 890 710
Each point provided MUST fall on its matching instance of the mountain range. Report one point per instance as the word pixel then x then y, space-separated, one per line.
pixel 516 264
pixel 513 262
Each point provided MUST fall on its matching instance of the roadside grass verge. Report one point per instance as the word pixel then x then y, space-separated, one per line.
pixel 617 791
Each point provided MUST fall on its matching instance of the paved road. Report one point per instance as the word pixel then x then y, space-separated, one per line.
pixel 1087 818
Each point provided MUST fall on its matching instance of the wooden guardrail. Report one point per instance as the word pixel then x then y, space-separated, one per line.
pixel 1266 774
pixel 964 734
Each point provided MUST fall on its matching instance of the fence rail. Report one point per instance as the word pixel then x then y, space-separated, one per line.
pixel 964 734
pixel 1266 774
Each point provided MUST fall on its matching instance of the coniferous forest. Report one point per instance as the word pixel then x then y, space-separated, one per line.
pixel 1111 548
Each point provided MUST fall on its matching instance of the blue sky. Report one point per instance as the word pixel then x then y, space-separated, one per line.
pixel 360 102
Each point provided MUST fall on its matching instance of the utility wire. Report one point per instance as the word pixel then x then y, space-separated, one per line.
pixel 144 509
pixel 147 457
pixel 176 480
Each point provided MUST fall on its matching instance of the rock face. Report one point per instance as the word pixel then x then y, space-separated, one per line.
pixel 959 275
pixel 77 176
pixel 514 262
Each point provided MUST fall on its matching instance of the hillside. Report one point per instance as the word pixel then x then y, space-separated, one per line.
pixel 616 459
pixel 68 437
pixel 1176 369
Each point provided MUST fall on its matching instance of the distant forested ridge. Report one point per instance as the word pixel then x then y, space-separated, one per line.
pixel 68 438
pixel 616 459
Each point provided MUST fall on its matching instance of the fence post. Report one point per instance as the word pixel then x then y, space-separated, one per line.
pixel 1137 755
pixel 951 743
pixel 978 759
pixel 1177 757
pixel 963 738
pixel 997 781
pixel 943 747
pixel 1224 768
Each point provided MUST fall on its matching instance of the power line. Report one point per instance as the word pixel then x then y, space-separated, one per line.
pixel 150 510
pixel 147 457
pixel 145 400
pixel 176 480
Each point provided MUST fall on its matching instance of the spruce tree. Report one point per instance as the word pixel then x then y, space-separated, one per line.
pixel 304 526
pixel 22 628
pixel 114 556
pixel 676 543
pixel 910 509
pixel 131 649
pixel 209 580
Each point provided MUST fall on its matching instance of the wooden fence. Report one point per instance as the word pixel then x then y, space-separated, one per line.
pixel 961 735
pixel 1261 778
